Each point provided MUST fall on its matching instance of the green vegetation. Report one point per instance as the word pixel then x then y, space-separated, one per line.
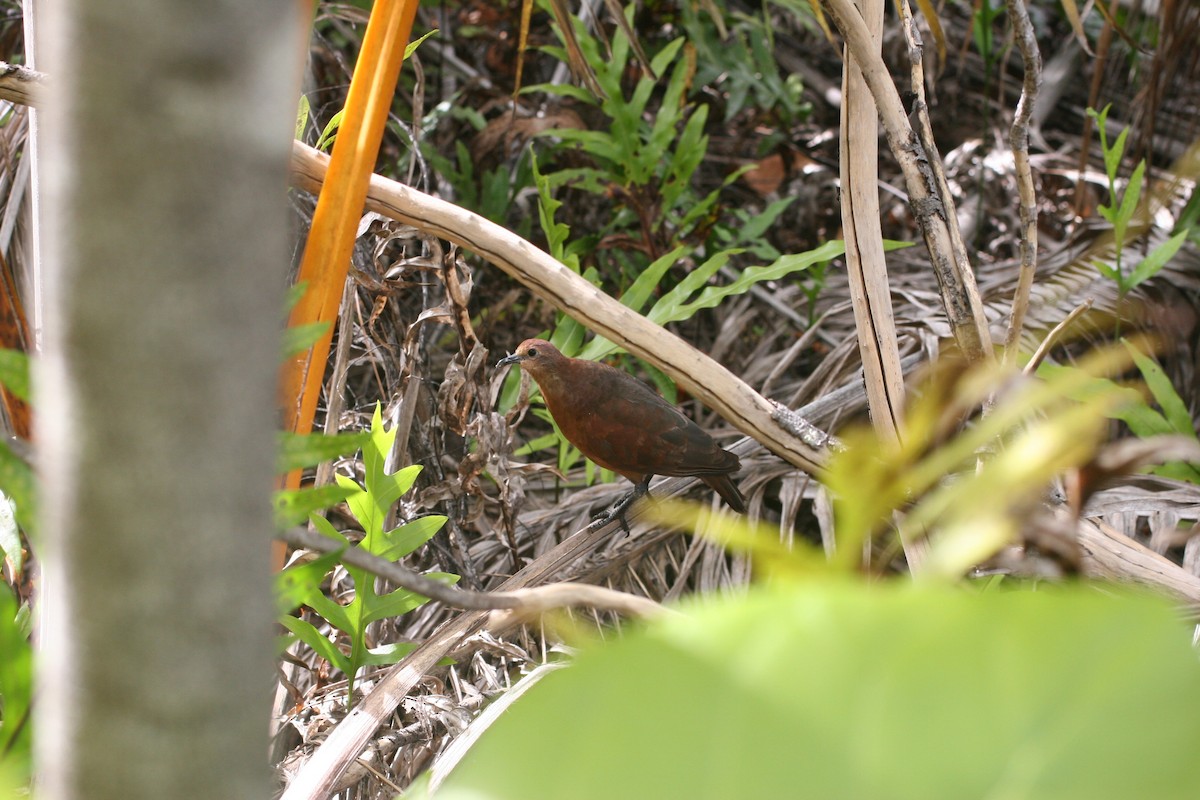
pixel 369 503
pixel 837 690
pixel 1123 208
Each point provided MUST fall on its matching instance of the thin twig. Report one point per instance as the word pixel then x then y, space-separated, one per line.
pixel 1019 139
pixel 1053 335
pixel 527 601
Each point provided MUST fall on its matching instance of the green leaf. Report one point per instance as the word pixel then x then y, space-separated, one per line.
pixel 674 306
pixel 662 382
pixel 1168 399
pixel 375 454
pixel 16 684
pixel 408 537
pixel 299 450
pixel 1156 259
pixel 337 615
pixel 543 442
pixel 647 282
pixel 412 46
pixel 1107 271
pixel 324 527
pixel 388 654
pixel 556 232
pixel 393 604
pixel 1143 420
pixel 1114 154
pixel 1129 199
pixel 756 226
pixel 330 133
pixel 302 116
pixel 326 649
pixel 597 143
pixel 362 506
pixel 293 506
pixel 17 481
pixel 299 338
pixel 689 152
pixel 14 372
pixel 293 294
pixel 664 57
pixel 1129 406
pixel 1101 119
pixel 1178 470
pixel 396 485
pixel 1053 712
pixel 297 584
pixel 562 90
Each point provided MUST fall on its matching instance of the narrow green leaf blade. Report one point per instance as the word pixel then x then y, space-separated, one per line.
pixel 1174 409
pixel 1156 259
pixel 326 649
pixel 408 537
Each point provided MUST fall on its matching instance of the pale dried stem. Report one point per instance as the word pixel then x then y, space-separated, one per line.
pixel 919 162
pixel 865 265
pixel 1019 139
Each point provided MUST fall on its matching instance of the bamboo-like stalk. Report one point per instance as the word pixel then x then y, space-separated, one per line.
pixel 331 239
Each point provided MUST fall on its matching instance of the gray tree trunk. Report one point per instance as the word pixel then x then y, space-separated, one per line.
pixel 167 134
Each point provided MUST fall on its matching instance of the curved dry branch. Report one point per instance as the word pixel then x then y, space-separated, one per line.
pixel 528 602
pixel 703 377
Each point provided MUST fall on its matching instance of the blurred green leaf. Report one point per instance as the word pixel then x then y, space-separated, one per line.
pixel 298 338
pixel 679 304
pixel 14 372
pixel 864 691
pixel 16 688
pixel 18 483
pixel 302 116
pixel 1175 410
pixel 297 450
pixel 329 135
pixel 295 585
pixel 293 506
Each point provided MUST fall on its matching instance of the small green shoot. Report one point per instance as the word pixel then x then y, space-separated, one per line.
pixel 329 134
pixel 369 504
pixel 1122 208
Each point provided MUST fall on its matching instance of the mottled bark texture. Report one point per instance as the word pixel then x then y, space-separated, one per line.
pixel 164 171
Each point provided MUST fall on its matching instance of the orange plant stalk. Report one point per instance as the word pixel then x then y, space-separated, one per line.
pixel 331 239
